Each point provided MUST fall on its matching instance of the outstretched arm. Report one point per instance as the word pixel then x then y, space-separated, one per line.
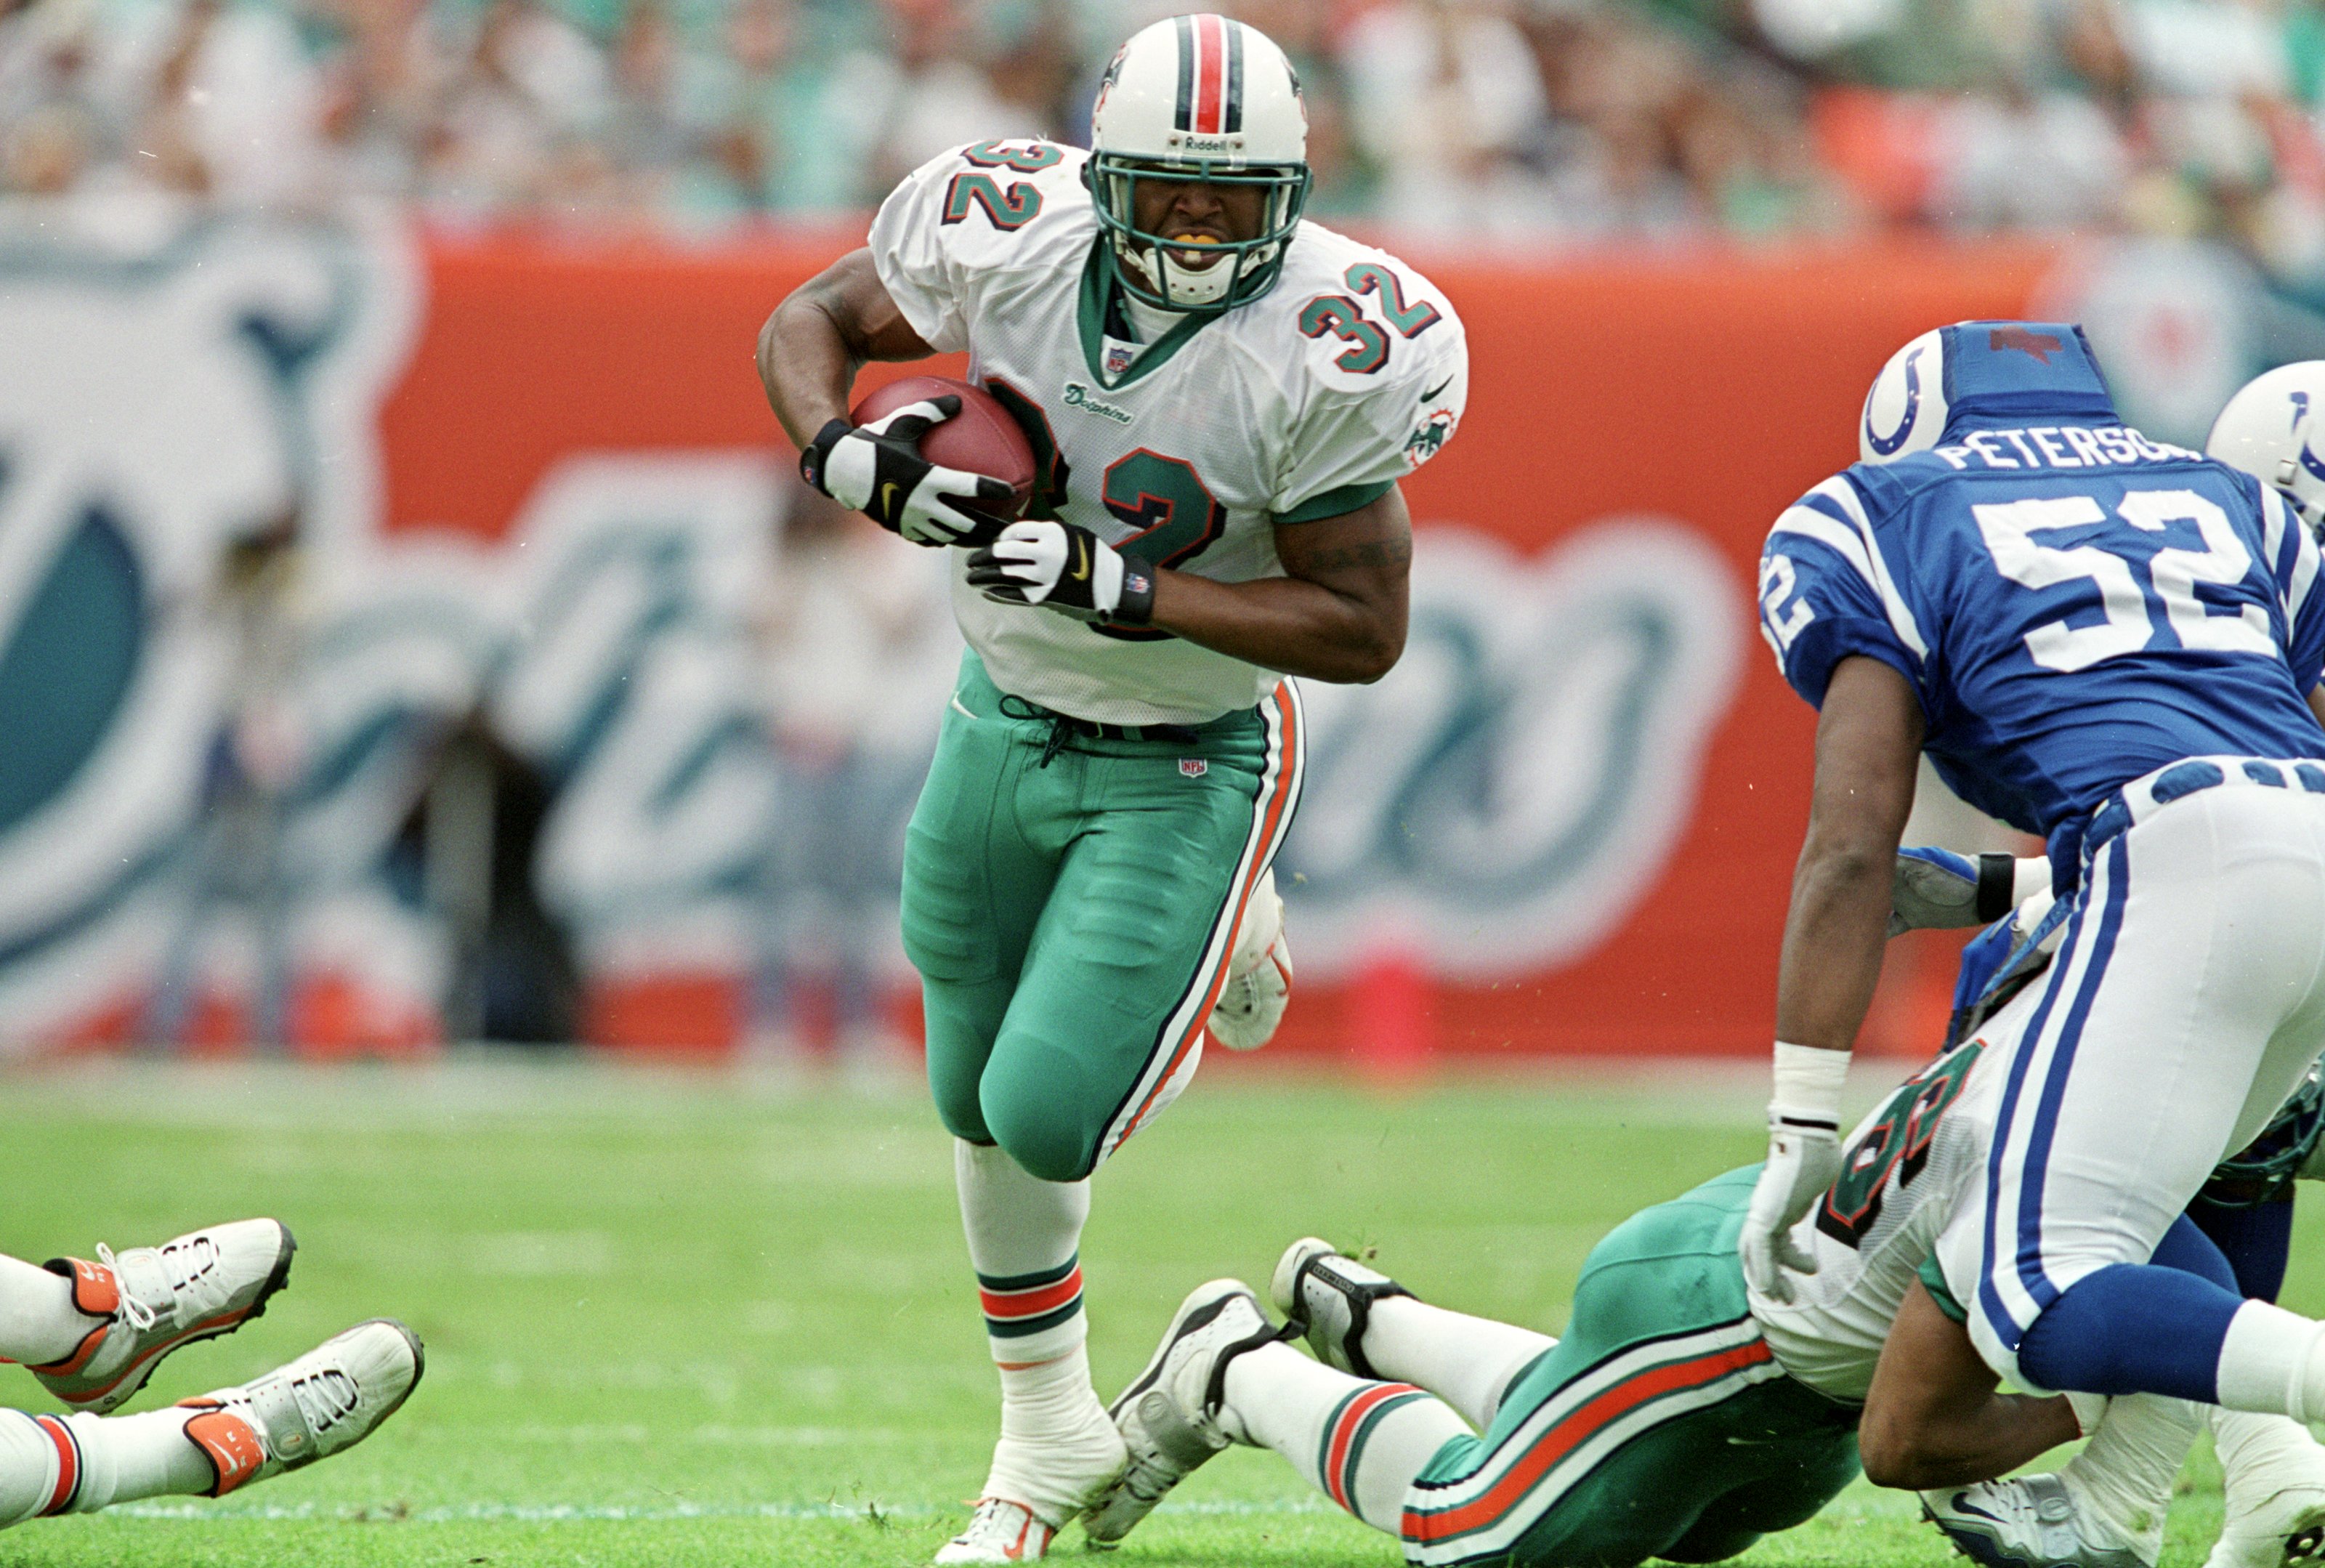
pixel 822 335
pixel 1933 1417
pixel 1869 747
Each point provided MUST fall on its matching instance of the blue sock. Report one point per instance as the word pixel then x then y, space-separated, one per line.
pixel 2140 1328
pixel 2256 1238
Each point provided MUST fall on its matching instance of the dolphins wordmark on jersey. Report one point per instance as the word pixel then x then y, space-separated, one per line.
pixel 1189 441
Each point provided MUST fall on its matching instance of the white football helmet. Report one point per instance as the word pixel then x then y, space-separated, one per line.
pixel 2271 430
pixel 1905 411
pixel 1209 99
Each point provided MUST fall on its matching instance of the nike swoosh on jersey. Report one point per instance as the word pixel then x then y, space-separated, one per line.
pixel 1430 394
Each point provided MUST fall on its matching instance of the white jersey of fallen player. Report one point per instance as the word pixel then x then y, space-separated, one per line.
pixel 1905 1170
pixel 1188 447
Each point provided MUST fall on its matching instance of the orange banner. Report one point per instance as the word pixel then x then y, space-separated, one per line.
pixel 1703 392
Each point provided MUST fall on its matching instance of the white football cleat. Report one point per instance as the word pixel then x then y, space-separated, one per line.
pixel 2275 1515
pixel 1046 1469
pixel 2030 1522
pixel 151 1300
pixel 1175 1416
pixel 328 1399
pixel 1258 986
pixel 1330 1295
pixel 1000 1531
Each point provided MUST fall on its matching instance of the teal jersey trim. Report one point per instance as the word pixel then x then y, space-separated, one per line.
pixel 1934 1280
pixel 1336 503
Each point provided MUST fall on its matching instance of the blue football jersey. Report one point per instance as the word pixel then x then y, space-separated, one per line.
pixel 2075 605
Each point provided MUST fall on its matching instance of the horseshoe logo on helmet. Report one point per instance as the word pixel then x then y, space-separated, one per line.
pixel 1888 445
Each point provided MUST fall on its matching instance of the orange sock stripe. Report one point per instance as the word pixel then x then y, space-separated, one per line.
pixel 1009 1305
pixel 1340 1442
pixel 67 1463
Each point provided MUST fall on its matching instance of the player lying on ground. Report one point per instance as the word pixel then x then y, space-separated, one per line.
pixel 92 1334
pixel 1621 1440
pixel 1682 1416
pixel 1221 400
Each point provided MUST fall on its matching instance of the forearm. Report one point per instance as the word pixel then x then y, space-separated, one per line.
pixel 1283 623
pixel 806 366
pixel 1834 935
pixel 1962 1445
pixel 822 335
pixel 1933 1417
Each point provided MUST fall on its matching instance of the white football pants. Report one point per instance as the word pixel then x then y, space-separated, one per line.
pixel 2185 1003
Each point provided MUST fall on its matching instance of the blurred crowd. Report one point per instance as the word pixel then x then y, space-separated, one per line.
pixel 1528 119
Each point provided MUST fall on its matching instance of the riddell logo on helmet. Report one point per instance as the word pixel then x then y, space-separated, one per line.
pixel 1210 143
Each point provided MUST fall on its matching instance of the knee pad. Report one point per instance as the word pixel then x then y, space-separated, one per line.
pixel 1048 1136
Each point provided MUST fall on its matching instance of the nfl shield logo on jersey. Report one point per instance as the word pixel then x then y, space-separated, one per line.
pixel 1117 360
pixel 1194 766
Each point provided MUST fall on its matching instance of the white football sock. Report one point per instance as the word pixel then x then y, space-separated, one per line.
pixel 1057 1443
pixel 77 1464
pixel 2272 1361
pixel 1468 1363
pixel 1360 1443
pixel 125 1458
pixel 38 1321
pixel 1023 1234
pixel 2126 1472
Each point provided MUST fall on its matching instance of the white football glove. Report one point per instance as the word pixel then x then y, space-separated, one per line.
pixel 877 469
pixel 1259 974
pixel 1066 568
pixel 1804 1160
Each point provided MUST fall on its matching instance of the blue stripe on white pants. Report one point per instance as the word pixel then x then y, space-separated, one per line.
pixel 2069 971
pixel 2187 1000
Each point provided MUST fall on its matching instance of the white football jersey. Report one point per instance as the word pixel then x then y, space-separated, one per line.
pixel 1305 403
pixel 1908 1167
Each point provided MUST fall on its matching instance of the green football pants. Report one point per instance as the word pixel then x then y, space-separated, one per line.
pixel 1660 1426
pixel 1070 901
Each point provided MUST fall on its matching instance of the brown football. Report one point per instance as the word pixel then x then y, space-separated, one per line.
pixel 981 439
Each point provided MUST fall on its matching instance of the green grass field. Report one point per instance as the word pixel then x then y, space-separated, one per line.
pixel 714 1320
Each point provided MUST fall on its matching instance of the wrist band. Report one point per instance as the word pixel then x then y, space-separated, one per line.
pixel 1808 1085
pixel 1998 878
pixel 1135 606
pixel 812 457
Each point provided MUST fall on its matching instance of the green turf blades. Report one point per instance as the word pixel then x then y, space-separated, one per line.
pixel 677 1321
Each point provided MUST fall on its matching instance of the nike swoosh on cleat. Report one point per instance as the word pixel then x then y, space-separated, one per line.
pixel 1962 1508
pixel 1431 394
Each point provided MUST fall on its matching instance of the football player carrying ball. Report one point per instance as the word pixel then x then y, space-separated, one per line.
pixel 1221 399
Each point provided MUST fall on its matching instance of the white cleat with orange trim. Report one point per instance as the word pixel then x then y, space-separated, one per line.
pixel 151 1300
pixel 328 1399
pixel 1000 1531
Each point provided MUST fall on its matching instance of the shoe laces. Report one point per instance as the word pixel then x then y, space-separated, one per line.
pixel 326 1398
pixel 137 1313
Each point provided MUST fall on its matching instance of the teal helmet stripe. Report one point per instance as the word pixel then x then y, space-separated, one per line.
pixel 1234 121
pixel 1186 117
